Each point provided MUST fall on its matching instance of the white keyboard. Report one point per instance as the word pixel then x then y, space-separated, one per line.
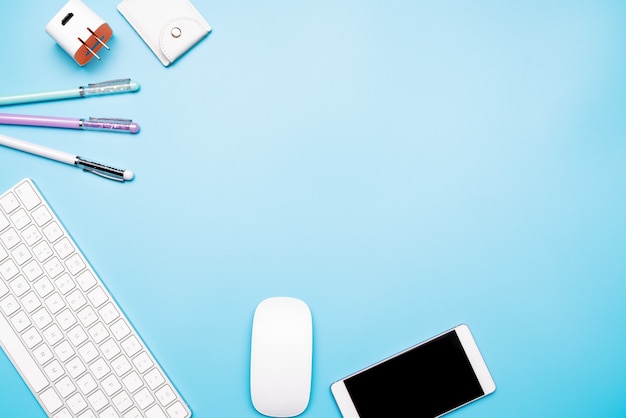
pixel 61 328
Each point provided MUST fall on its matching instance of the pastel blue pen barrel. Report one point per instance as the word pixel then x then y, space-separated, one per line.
pixel 40 97
pixel 123 85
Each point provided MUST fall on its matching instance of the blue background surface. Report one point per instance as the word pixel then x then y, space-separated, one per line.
pixel 401 166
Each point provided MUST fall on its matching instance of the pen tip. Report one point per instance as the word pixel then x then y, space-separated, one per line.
pixel 128 175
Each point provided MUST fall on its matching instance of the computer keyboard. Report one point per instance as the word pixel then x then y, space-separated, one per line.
pixel 64 333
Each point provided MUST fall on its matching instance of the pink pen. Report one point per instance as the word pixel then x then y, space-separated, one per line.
pixel 105 124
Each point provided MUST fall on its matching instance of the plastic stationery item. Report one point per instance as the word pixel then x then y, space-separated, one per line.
pixel 99 169
pixel 169 27
pixel 98 124
pixel 79 31
pixel 122 85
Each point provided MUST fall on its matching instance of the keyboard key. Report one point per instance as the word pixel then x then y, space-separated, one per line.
pixel 64 351
pixel 43 287
pixel 87 414
pixel 20 286
pixel 65 387
pixel 75 367
pixel 109 349
pixel 97 297
pixel 27 195
pixel 154 379
pixel 75 264
pixel 9 203
pixel 54 370
pixel 31 302
pixel 86 280
pixel 21 254
pixel 65 320
pixel 76 300
pixel 52 231
pixel 9 305
pixel 77 335
pixel 76 403
pixel 55 303
pixel 109 412
pixel 131 346
pixel 143 398
pixel 86 384
pixel 155 412
pixel 63 413
pixel 53 334
pixel 99 368
pixel 120 329
pixel 32 270
pixel 42 216
pixel 43 354
pixel 143 362
pixel 64 248
pixel 65 284
pixel 53 267
pixel 133 413
pixel 98 333
pixel 31 338
pixel 20 219
pixel 111 385
pixel 20 321
pixel 10 238
pixel 98 400
pixel 87 316
pixel 88 352
pixel 8 270
pixel 42 251
pixel 50 400
pixel 122 401
pixel 42 318
pixel 165 395
pixel 177 410
pixel 121 367
pixel 132 382
pixel 31 235
pixel 109 313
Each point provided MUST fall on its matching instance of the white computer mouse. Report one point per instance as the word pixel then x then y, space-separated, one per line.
pixel 281 357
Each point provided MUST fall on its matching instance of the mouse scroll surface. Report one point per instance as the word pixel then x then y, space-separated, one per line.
pixel 281 357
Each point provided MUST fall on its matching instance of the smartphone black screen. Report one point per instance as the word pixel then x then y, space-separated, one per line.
pixel 425 381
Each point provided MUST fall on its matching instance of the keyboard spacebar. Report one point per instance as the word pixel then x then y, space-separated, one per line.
pixel 21 358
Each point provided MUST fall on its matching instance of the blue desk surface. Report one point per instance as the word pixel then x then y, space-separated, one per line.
pixel 401 166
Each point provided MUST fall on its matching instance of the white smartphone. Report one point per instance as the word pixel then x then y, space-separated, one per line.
pixel 429 379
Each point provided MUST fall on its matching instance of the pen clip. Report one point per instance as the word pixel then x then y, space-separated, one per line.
pixel 103 174
pixel 120 85
pixel 110 83
pixel 111 120
pixel 100 169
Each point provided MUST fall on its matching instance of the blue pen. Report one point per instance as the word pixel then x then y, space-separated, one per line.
pixel 124 85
